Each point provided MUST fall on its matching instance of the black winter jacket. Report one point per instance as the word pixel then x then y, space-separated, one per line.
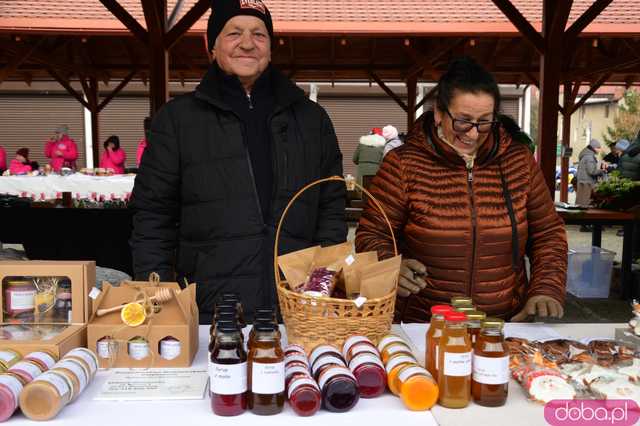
pixel 195 199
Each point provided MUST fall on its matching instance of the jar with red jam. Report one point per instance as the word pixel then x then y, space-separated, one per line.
pixel 370 374
pixel 324 360
pixel 304 395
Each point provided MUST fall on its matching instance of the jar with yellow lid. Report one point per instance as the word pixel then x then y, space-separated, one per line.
pixel 465 309
pixel 393 366
pixel 490 365
pixel 418 390
pixel 460 301
pixel 474 323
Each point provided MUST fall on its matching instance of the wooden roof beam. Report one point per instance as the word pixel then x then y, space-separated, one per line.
pixel 65 83
pixel 18 60
pixel 127 20
pixel 388 91
pixel 595 86
pixel 521 23
pixel 117 90
pixel 185 23
pixel 584 20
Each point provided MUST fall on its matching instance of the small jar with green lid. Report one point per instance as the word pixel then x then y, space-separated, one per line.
pixel 459 301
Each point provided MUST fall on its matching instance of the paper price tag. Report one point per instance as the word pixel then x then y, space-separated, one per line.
pixel 349 260
pixel 95 292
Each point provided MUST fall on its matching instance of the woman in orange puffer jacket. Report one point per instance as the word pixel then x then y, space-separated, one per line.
pixel 466 203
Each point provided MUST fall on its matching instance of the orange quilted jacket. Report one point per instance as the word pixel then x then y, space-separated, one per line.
pixel 471 228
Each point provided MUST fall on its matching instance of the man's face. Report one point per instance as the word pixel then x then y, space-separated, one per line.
pixel 243 48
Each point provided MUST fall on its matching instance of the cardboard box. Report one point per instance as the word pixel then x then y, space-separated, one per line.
pixel 178 318
pixel 82 275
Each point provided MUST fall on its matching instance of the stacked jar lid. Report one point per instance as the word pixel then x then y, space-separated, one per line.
pixel 303 391
pixel 337 383
pixel 364 361
pixel 405 377
pixel 48 393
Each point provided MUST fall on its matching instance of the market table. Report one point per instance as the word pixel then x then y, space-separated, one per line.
pixel 385 410
pixel 597 218
pixel 84 186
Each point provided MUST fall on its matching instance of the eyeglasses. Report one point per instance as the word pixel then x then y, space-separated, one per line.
pixel 463 126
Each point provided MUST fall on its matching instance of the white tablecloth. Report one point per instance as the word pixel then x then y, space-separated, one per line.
pixel 385 410
pixel 80 186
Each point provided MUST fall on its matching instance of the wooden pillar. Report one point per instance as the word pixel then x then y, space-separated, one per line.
pixel 95 120
pixel 553 22
pixel 158 79
pixel 567 104
pixel 412 93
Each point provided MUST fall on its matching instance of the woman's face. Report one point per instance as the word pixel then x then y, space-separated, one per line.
pixel 468 107
pixel 111 145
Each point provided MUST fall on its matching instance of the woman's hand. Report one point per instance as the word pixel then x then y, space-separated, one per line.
pixel 542 306
pixel 412 274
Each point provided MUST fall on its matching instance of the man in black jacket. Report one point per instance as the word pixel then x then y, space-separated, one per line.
pixel 223 162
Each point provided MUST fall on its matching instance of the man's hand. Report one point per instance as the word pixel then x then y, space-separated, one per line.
pixel 411 281
pixel 543 306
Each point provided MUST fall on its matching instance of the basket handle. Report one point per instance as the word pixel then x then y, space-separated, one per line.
pixel 312 184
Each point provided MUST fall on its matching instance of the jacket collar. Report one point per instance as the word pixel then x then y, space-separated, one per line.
pixel 425 136
pixel 285 92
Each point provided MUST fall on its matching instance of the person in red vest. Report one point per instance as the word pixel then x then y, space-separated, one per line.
pixel 3 160
pixel 20 165
pixel 62 150
pixel 143 142
pixel 113 156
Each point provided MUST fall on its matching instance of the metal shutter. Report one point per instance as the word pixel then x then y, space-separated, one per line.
pixel 124 117
pixel 510 106
pixel 28 121
pixel 354 116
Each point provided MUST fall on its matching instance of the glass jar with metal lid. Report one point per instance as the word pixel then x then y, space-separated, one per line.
pixel 19 297
pixel 459 301
pixel 474 323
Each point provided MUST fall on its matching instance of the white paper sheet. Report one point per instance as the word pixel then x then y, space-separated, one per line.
pixel 539 332
pixel 154 384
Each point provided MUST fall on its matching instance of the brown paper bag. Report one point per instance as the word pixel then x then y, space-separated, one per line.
pixel 330 255
pixel 351 272
pixel 379 279
pixel 296 266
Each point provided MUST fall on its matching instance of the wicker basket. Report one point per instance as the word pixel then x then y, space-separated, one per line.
pixel 311 321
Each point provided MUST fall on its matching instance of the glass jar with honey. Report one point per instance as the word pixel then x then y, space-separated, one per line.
pixel 490 365
pixel 433 337
pixel 266 372
pixel 454 361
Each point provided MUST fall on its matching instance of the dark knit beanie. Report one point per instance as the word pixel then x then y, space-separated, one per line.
pixel 223 10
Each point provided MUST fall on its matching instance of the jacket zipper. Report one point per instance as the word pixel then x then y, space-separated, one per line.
pixel 474 226
pixel 250 100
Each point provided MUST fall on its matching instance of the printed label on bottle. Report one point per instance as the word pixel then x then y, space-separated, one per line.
pixel 28 367
pixel 77 369
pixel 297 357
pixel 352 341
pixel 58 381
pixel 103 349
pixel 366 358
pixel 389 339
pixel 327 360
pixel 22 300
pixel 321 350
pixel 138 350
pixel 403 359
pixel 404 375
pixel 14 385
pixel 267 378
pixel 363 348
pixel 7 356
pixel 228 379
pixel 43 357
pixel 301 381
pixel 333 372
pixel 490 371
pixel 170 349
pixel 457 364
pixel 87 356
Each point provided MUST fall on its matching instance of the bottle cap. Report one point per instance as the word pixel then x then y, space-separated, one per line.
pixel 455 316
pixel 493 323
pixel 475 315
pixel 440 309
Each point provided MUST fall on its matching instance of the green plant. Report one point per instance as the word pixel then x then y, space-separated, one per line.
pixel 627 121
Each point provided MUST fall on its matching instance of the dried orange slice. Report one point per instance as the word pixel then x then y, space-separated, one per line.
pixel 133 314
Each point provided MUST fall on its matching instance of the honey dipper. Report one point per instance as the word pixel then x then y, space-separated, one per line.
pixel 162 295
